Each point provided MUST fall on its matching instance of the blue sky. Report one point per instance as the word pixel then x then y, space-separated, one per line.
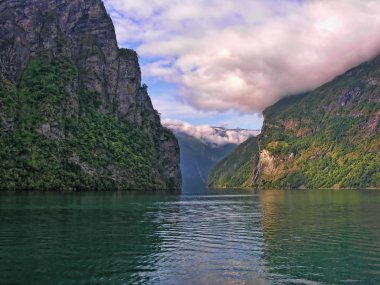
pixel 223 62
pixel 163 94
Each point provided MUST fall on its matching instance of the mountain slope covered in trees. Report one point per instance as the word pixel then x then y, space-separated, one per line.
pixel 235 170
pixel 326 138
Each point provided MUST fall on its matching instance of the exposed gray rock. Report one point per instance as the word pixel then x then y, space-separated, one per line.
pixel 83 31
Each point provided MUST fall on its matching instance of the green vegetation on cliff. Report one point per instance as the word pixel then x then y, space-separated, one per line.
pixel 327 138
pixel 237 168
pixel 48 146
pixel 74 113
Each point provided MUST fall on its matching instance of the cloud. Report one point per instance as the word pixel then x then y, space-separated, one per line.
pixel 170 108
pixel 211 135
pixel 244 55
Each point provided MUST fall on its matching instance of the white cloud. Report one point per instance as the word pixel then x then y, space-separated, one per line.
pixel 244 55
pixel 209 134
pixel 170 108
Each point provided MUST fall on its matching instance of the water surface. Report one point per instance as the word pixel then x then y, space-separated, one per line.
pixel 212 237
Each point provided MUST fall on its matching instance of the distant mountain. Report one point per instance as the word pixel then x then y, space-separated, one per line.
pixel 201 147
pixel 327 138
pixel 211 135
pixel 197 158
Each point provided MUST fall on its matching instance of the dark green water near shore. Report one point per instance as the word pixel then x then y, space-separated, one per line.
pixel 212 237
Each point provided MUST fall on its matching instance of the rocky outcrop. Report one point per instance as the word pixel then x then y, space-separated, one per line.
pixel 103 78
pixel 80 30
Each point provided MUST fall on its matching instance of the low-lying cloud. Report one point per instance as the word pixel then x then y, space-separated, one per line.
pixel 211 135
pixel 244 55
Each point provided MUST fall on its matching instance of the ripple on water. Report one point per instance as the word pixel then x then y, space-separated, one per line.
pixel 269 237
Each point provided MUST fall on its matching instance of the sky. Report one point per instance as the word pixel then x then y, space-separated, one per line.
pixel 211 135
pixel 222 62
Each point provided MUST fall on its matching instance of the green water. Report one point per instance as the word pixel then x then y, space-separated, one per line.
pixel 213 237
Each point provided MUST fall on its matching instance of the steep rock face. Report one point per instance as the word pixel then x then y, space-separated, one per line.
pixel 327 138
pixel 61 74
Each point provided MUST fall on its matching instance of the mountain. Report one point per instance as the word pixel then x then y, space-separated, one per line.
pixel 197 158
pixel 201 147
pixel 326 138
pixel 73 112
pixel 210 134
pixel 236 169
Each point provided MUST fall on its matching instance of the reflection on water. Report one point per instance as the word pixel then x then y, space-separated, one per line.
pixel 213 237
pixel 83 238
pixel 332 237
pixel 209 239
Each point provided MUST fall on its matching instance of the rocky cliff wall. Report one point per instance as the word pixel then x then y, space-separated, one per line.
pixel 75 41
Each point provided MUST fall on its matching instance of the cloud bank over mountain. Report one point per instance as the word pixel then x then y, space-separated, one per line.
pixel 244 55
pixel 211 135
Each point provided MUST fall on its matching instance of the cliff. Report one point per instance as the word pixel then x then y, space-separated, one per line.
pixel 73 112
pixel 326 138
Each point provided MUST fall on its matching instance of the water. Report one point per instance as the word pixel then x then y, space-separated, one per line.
pixel 214 237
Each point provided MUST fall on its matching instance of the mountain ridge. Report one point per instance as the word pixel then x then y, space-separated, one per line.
pixel 325 138
pixel 212 135
pixel 201 147
pixel 197 158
